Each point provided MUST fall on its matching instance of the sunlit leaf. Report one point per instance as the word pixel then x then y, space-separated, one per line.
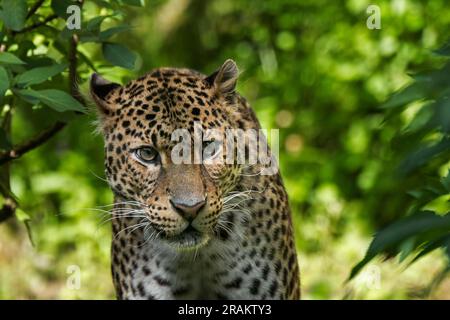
pixel 22 215
pixel 409 94
pixel 95 23
pixel 422 119
pixel 103 3
pixel 137 3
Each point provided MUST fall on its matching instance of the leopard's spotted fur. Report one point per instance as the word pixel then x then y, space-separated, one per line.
pixel 249 250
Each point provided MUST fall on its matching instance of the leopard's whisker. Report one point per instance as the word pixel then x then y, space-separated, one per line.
pixel 127 228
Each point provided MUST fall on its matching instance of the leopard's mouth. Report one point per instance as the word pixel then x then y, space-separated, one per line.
pixel 189 239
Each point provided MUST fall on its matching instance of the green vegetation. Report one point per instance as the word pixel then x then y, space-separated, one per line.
pixel 364 119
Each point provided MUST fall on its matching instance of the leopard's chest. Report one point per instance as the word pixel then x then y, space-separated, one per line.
pixel 256 260
pixel 222 270
pixel 156 273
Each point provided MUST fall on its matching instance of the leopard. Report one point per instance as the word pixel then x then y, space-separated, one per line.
pixel 191 230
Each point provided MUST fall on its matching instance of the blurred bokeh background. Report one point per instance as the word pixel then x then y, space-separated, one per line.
pixel 311 68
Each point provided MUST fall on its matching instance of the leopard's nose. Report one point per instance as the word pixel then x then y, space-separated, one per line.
pixel 188 209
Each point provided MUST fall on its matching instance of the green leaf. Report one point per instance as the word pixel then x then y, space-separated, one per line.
pixel 28 98
pixel 60 7
pixel 137 3
pixel 433 189
pixel 14 13
pixel 91 33
pixel 95 23
pixel 4 82
pixel 407 247
pixel 106 34
pixel 55 99
pixel 102 3
pixel 440 242
pixel 409 94
pixel 444 50
pixel 87 61
pixel 400 231
pixel 422 155
pixel 25 46
pixel 5 143
pixel 446 181
pixel 66 33
pixel 88 37
pixel 6 191
pixel 118 55
pixel 9 58
pixel 21 215
pixel 38 75
pixel 442 115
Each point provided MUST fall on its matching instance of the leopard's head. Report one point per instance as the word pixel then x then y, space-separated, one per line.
pixel 149 125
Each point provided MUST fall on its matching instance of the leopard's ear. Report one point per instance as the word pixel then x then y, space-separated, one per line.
pixel 99 90
pixel 225 78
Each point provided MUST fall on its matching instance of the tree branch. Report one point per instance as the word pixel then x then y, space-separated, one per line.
pixel 20 149
pixel 17 151
pixel 10 203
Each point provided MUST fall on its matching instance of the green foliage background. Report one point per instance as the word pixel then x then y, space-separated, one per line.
pixel 310 68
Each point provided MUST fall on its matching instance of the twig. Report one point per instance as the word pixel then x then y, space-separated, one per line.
pixel 37 24
pixel 8 209
pixel 10 202
pixel 73 63
pixel 34 8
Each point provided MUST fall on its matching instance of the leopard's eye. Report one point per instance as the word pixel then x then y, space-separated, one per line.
pixel 146 155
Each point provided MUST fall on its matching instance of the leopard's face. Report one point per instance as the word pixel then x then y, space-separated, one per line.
pixel 154 157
